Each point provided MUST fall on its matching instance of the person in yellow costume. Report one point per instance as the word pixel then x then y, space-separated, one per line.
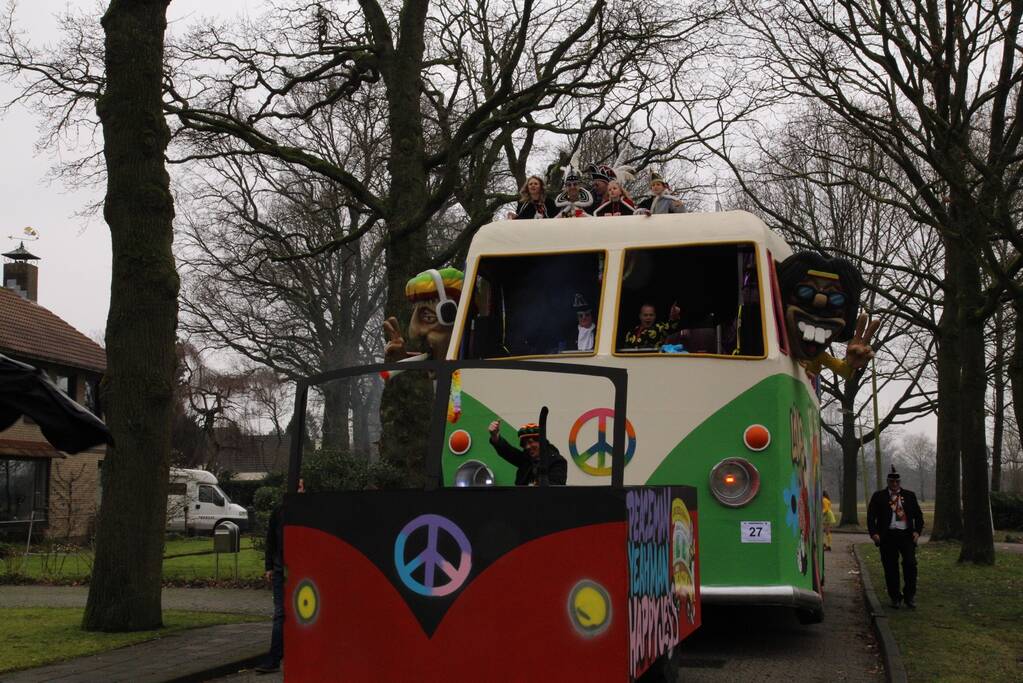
pixel 829 520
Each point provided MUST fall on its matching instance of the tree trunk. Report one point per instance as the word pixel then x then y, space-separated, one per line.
pixel 850 453
pixel 978 537
pixel 138 389
pixel 948 522
pixel 336 402
pixel 998 367
pixel 1016 364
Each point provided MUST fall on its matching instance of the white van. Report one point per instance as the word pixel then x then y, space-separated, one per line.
pixel 195 503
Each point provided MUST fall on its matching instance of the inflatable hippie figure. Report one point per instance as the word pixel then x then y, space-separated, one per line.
pixel 821 297
pixel 434 295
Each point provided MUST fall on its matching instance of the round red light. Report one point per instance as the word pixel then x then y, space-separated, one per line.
pixel 459 442
pixel 756 437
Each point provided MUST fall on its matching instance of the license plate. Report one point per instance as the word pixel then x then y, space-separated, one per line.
pixel 756 532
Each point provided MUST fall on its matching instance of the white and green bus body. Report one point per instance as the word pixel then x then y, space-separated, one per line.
pixel 687 412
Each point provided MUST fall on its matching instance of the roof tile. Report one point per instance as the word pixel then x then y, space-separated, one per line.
pixel 31 331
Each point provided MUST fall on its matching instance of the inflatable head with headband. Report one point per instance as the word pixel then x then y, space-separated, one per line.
pixel 821 299
pixel 434 295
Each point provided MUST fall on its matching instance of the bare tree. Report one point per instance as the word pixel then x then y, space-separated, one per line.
pixel 917 453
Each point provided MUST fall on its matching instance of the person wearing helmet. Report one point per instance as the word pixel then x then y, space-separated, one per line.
pixel 527 458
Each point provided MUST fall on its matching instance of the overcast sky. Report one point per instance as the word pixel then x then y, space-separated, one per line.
pixel 74 270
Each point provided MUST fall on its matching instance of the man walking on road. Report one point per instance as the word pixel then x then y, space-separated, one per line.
pixel 895 522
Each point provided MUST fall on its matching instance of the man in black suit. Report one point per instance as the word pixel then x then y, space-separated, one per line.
pixel 895 522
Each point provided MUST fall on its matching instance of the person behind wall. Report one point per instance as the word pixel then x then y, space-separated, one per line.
pixel 273 561
pixel 533 201
pixel 600 176
pixel 650 334
pixel 618 203
pixel 526 459
pixel 659 200
pixel 586 328
pixel 895 523
pixel 829 520
pixel 574 200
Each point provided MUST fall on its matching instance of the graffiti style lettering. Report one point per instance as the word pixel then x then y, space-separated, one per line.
pixel 653 600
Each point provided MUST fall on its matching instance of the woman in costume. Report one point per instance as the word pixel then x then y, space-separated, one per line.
pixel 618 203
pixel 533 201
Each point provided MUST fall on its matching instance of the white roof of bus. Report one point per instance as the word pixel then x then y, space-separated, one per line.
pixel 618 232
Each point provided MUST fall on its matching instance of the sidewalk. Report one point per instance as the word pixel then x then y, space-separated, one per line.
pixel 233 600
pixel 194 655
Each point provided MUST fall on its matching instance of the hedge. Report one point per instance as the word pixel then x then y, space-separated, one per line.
pixel 1007 510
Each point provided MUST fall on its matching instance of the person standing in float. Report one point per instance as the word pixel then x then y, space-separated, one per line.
pixel 533 201
pixel 618 202
pixel 895 523
pixel 659 200
pixel 574 200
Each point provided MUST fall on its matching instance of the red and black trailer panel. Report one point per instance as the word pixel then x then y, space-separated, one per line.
pixel 488 584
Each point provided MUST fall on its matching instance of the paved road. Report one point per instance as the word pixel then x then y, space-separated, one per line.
pixel 742 644
pixel 237 601
pixel 770 644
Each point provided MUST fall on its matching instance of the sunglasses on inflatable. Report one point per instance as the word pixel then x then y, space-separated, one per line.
pixel 807 293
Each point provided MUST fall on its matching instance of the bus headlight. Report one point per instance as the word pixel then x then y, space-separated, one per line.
pixel 734 482
pixel 474 473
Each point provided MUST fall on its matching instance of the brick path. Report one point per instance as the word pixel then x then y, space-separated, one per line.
pixel 767 644
pixel 180 656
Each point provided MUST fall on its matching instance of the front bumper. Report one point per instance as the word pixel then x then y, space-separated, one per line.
pixel 780 596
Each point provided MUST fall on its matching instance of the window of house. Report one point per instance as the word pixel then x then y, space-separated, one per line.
pixel 90 397
pixel 691 300
pixel 534 305
pixel 65 381
pixel 23 489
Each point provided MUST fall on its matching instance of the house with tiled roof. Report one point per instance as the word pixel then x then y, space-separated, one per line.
pixel 55 493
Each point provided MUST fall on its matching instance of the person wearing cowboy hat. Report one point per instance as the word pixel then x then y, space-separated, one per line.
pixel 527 458
pixel 895 523
pixel 659 201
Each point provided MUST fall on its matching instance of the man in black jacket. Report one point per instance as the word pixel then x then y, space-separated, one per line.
pixel 895 522
pixel 527 458
pixel 273 563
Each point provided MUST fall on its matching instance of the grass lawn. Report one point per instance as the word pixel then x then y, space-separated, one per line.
pixel 35 636
pixel 967 623
pixel 181 562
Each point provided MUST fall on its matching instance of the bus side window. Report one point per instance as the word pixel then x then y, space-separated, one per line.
pixel 779 307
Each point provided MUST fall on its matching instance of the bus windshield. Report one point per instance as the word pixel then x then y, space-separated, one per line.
pixel 534 305
pixel 700 299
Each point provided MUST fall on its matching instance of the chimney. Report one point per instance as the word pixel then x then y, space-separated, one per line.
pixel 21 276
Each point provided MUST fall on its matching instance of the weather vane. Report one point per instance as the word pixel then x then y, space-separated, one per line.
pixel 28 234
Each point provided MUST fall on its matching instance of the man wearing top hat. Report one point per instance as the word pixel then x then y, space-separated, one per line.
pixel 895 522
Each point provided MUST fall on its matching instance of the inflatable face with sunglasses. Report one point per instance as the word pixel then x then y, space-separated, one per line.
pixel 821 296
pixel 434 295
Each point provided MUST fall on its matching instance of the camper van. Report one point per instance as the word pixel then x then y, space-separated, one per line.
pixel 196 504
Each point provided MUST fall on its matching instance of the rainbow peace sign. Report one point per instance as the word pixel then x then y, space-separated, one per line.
pixel 601 449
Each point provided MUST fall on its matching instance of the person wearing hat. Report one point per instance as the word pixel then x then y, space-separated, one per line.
pixel 574 199
pixel 659 201
pixel 527 458
pixel 586 328
pixel 895 523
pixel 600 176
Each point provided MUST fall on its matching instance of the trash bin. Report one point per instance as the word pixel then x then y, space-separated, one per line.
pixel 226 538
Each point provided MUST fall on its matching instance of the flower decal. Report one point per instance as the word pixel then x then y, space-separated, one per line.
pixel 790 498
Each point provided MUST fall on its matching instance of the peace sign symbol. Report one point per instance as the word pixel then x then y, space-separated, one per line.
pixel 601 448
pixel 431 559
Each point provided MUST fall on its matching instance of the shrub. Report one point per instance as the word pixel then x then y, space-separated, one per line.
pixel 241 492
pixel 1007 510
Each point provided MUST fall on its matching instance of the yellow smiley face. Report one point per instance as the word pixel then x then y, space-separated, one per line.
pixel 589 608
pixel 307 602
